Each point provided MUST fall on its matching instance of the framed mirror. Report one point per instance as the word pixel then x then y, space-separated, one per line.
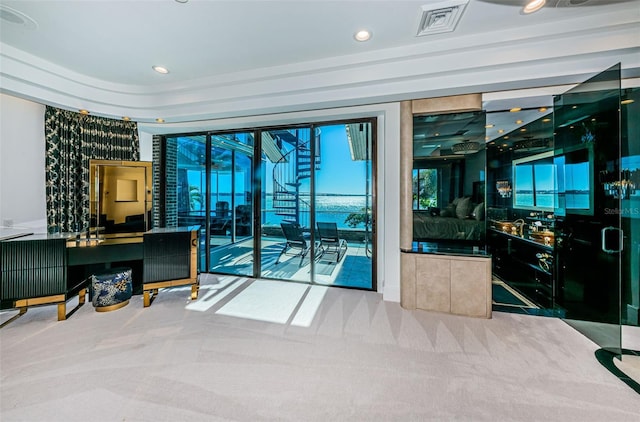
pixel 120 196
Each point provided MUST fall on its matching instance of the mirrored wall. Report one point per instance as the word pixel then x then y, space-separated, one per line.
pixel 448 180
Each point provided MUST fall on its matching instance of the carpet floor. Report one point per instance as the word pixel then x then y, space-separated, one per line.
pixel 255 350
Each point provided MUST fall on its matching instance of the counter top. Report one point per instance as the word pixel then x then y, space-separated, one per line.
pixel 524 238
pixel 8 234
pixel 438 249
pixel 79 239
pixel 174 229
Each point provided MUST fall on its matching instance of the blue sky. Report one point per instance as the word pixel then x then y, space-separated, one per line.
pixel 338 174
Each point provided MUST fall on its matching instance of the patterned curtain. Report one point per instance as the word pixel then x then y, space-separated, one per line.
pixel 72 139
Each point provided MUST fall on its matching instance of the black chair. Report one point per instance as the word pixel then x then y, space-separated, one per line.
pixel 297 244
pixel 220 226
pixel 330 240
pixel 222 209
pixel 243 220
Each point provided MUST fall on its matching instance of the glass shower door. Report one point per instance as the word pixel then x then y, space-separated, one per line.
pixel 589 236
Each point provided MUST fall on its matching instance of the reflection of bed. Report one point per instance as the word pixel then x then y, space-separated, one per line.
pixel 427 227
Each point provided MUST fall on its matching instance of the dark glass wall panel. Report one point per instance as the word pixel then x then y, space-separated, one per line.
pixel 588 238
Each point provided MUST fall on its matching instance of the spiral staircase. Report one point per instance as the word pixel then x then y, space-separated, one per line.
pixel 288 173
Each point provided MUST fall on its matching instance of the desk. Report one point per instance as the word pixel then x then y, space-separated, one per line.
pixel 41 269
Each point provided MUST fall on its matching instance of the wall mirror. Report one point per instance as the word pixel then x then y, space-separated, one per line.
pixel 120 196
pixel 448 178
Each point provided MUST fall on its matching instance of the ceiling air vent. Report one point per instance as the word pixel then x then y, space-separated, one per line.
pixel 440 17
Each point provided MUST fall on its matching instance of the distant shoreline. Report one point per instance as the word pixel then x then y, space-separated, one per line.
pixel 327 194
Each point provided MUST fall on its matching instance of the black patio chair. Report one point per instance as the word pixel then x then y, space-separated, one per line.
pixel 222 209
pixel 330 240
pixel 297 244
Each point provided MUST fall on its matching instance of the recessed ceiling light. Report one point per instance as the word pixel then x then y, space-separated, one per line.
pixel 547 120
pixel 542 109
pixel 436 134
pixel 524 129
pixel 625 102
pixel 362 35
pixel 533 6
pixel 518 122
pixel 83 111
pixel 488 126
pixel 515 109
pixel 500 130
pixel 126 118
pixel 159 120
pixel 575 106
pixel 161 69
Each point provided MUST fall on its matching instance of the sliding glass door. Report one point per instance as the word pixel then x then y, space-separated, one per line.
pixel 186 181
pixel 287 244
pixel 343 205
pixel 318 204
pixel 303 211
pixel 231 204
pixel 211 179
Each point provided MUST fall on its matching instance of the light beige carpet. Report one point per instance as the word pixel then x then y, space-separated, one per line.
pixel 272 351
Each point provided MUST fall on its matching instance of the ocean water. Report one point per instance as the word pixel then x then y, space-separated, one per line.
pixel 577 200
pixel 526 199
pixel 329 208
pixel 333 209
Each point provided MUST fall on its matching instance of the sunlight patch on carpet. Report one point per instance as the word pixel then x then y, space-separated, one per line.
pixel 265 301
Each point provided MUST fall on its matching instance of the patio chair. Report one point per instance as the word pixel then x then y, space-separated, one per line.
pixel 222 209
pixel 330 240
pixel 297 244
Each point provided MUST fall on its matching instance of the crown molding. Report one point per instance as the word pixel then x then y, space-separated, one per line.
pixel 490 61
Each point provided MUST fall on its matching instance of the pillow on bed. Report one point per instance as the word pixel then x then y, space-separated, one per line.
pixel 478 212
pixel 448 211
pixel 464 207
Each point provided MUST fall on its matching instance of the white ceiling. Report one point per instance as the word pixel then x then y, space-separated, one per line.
pixel 230 58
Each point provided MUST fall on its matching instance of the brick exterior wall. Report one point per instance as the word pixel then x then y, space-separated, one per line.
pixel 165 205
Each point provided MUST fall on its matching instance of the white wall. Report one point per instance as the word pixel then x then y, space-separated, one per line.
pixel 146 146
pixel 22 164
